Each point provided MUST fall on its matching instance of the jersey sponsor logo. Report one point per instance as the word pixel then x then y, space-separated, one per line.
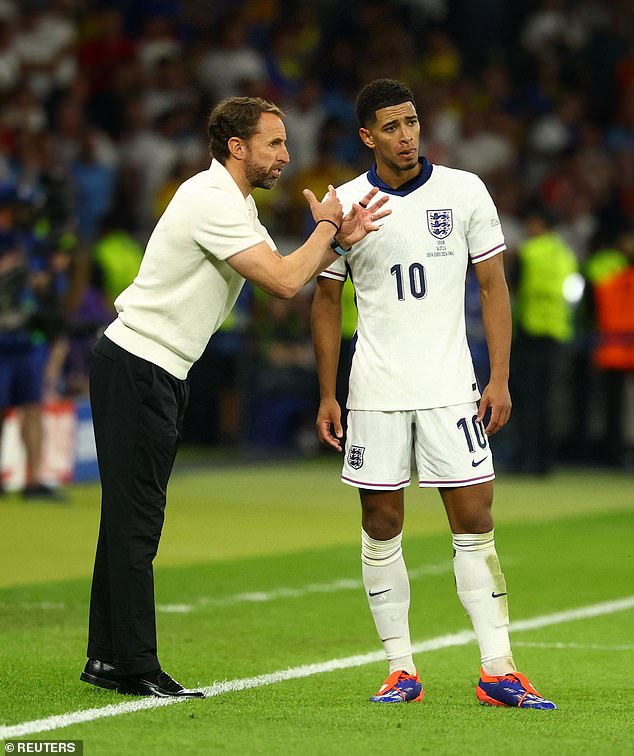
pixel 440 223
pixel 355 457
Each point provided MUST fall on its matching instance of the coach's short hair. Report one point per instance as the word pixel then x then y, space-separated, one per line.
pixel 381 93
pixel 235 117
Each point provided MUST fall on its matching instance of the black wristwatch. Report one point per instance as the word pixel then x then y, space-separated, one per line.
pixel 336 247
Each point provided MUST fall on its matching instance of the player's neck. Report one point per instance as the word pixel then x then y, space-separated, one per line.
pixel 395 178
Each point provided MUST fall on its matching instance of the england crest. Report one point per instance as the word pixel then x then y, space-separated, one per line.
pixel 440 223
pixel 355 457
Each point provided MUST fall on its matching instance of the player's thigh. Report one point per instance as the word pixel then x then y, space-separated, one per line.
pixel 451 447
pixel 378 450
pixel 382 512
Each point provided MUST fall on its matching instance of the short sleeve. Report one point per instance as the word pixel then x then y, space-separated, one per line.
pixel 484 233
pixel 222 227
pixel 337 270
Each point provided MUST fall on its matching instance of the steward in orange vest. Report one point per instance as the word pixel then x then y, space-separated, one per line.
pixel 612 276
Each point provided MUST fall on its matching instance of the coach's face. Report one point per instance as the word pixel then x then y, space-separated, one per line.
pixel 395 138
pixel 266 153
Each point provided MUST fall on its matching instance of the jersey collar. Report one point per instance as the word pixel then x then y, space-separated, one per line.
pixel 221 177
pixel 404 189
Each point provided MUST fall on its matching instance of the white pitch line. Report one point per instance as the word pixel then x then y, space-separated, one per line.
pixel 261 597
pixel 306 670
pixel 573 646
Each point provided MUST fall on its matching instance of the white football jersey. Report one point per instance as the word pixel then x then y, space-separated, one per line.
pixel 410 348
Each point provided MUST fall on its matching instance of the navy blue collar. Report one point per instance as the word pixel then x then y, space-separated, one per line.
pixel 408 186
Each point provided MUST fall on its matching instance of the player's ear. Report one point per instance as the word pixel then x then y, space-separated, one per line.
pixel 237 148
pixel 366 138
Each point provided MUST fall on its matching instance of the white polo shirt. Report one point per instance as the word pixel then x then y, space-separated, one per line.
pixel 185 289
pixel 411 347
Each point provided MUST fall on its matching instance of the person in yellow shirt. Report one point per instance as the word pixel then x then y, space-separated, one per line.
pixel 547 277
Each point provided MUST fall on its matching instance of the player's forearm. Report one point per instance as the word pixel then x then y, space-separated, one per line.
pixel 496 318
pixel 326 331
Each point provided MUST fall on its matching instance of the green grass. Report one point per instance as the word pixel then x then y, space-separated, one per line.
pixel 564 542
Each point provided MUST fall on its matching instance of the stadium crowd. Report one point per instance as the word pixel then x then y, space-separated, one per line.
pixel 102 113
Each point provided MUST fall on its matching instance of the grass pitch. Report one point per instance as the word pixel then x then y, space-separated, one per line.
pixel 258 573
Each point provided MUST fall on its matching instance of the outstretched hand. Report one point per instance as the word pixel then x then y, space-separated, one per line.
pixel 361 219
pixel 330 209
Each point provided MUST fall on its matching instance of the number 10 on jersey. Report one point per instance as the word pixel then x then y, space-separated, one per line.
pixel 417 280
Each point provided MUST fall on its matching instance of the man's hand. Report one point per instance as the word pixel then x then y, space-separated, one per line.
pixel 360 220
pixel 330 209
pixel 329 421
pixel 496 396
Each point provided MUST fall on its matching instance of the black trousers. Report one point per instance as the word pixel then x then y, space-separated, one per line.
pixel 137 410
pixel 535 364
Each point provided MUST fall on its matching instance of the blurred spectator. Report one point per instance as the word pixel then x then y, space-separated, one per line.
pixel 611 273
pixel 70 128
pixel 305 116
pixel 158 42
pixel 326 168
pixel 106 46
pixel 552 28
pixel 483 148
pixel 22 362
pixel 230 61
pixel 169 88
pixel 9 58
pixel 545 292
pixel 24 112
pixel 219 381
pixel 94 184
pixel 117 257
pixel 285 391
pixel 44 42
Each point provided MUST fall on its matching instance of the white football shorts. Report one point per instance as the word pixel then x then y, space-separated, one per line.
pixel 448 443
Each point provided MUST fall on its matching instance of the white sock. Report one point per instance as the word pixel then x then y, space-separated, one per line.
pixel 387 588
pixel 482 591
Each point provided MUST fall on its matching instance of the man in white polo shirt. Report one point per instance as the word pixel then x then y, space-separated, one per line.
pixel 413 389
pixel 206 244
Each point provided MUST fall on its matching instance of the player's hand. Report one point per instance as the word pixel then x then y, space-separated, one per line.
pixel 330 209
pixel 329 428
pixel 495 396
pixel 361 218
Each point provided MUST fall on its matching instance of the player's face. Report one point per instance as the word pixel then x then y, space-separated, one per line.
pixel 266 152
pixel 395 138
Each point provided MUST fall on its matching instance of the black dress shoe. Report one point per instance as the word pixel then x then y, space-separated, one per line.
pixel 163 686
pixel 101 674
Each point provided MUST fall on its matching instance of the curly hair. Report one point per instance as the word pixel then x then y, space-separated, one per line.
pixel 381 93
pixel 235 117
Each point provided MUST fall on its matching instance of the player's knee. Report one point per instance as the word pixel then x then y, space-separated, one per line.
pixel 382 513
pixel 474 522
pixel 382 523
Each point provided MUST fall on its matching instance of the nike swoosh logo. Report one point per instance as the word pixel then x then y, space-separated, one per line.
pixel 378 593
pixel 497 595
pixel 475 464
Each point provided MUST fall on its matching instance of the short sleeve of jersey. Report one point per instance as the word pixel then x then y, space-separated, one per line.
pixel 336 270
pixel 222 226
pixel 484 231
